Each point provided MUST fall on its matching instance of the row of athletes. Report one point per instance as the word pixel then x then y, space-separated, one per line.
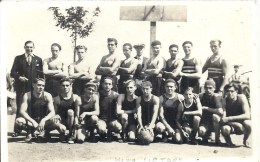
pixel 186 71
pixel 178 118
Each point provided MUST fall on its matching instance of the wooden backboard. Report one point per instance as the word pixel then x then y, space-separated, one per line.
pixel 177 13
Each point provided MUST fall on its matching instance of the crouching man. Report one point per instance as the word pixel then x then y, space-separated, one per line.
pixel 66 106
pixel 107 123
pixel 36 111
pixel 88 114
pixel 236 117
pixel 147 108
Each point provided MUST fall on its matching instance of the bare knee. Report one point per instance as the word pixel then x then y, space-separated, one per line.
pixel 20 121
pixel 202 131
pixel 94 119
pixel 225 130
pixel 187 129
pixel 101 127
pixel 247 124
pixel 160 127
pixel 216 118
pixel 124 117
pixel 70 113
pixel 178 138
pixel 196 119
pixel 131 136
pixel 116 126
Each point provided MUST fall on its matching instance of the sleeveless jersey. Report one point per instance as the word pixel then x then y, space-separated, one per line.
pixel 108 106
pixel 170 109
pixel 128 105
pixel 62 106
pixel 87 106
pixel 171 67
pixel 215 68
pixel 192 107
pixel 125 76
pixel 234 108
pixel 37 108
pixel 189 67
pixel 147 110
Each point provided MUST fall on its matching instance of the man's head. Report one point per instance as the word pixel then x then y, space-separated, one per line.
pixel 147 88
pixel 38 85
pixel 139 49
pixel 236 68
pixel 127 49
pixel 231 90
pixel 55 50
pixel 90 88
pixel 29 47
pixel 188 93
pixel 215 46
pixel 81 51
pixel 130 86
pixel 209 87
pixel 170 86
pixel 187 47
pixel 66 85
pixel 173 50
pixel 156 47
pixel 107 84
pixel 111 44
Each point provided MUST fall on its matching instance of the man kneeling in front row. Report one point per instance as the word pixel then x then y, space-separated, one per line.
pixel 36 111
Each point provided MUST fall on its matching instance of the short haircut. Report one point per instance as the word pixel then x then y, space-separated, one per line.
pixel 57 45
pixel 236 87
pixel 81 47
pixel 107 77
pixel 27 42
pixel 187 42
pixel 91 84
pixel 188 89
pixel 216 40
pixel 155 43
pixel 210 82
pixel 36 80
pixel 66 79
pixel 147 84
pixel 126 83
pixel 171 81
pixel 129 45
pixel 173 45
pixel 112 40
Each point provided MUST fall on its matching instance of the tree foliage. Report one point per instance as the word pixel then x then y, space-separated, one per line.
pixel 76 20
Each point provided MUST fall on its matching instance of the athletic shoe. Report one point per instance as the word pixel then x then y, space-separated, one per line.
pixel 194 142
pixel 246 143
pixel 63 137
pixel 28 138
pixel 71 140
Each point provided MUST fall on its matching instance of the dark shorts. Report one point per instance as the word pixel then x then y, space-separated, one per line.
pixel 157 85
pixel 52 86
pixel 236 127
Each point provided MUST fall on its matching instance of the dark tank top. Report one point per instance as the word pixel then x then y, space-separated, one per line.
pixel 170 67
pixel 128 105
pixel 126 76
pixel 64 105
pixel 234 108
pixel 38 107
pixel 108 106
pixel 170 108
pixel 147 110
pixel 87 106
pixel 193 106
pixel 215 68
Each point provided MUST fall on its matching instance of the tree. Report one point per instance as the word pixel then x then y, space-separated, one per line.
pixel 76 20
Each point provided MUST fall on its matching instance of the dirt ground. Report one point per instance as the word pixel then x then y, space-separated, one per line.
pixel 18 151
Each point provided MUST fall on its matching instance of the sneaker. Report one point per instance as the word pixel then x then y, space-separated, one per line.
pixel 246 143
pixel 28 138
pixel 71 140
pixel 194 142
pixel 62 137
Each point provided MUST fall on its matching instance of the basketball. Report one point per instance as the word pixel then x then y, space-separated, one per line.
pixel 145 137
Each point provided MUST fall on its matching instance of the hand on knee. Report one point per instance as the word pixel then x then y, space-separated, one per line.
pixel 160 128
pixel 94 119
pixel 225 130
pixel 124 117
pixel 70 113
pixel 202 131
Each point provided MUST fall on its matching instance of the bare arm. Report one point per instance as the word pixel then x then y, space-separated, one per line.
pixel 205 66
pixel 96 107
pixel 139 112
pixel 155 111
pixel 113 68
pixel 157 70
pixel 120 100
pixel 218 110
pixel 225 74
pixel 23 110
pixel 132 67
pixel 176 72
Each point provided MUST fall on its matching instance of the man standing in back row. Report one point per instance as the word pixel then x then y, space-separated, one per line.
pixel 216 66
pixel 25 69
pixel 109 63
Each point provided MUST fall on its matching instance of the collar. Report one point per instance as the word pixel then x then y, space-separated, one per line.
pixel 26 55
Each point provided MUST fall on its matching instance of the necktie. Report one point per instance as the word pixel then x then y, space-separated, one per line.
pixel 29 59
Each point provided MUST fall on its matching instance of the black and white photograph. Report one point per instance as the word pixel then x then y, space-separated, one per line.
pixel 128 81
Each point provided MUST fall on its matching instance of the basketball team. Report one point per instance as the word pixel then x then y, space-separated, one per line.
pixel 138 99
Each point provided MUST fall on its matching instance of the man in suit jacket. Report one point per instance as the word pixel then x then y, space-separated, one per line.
pixel 139 75
pixel 25 69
